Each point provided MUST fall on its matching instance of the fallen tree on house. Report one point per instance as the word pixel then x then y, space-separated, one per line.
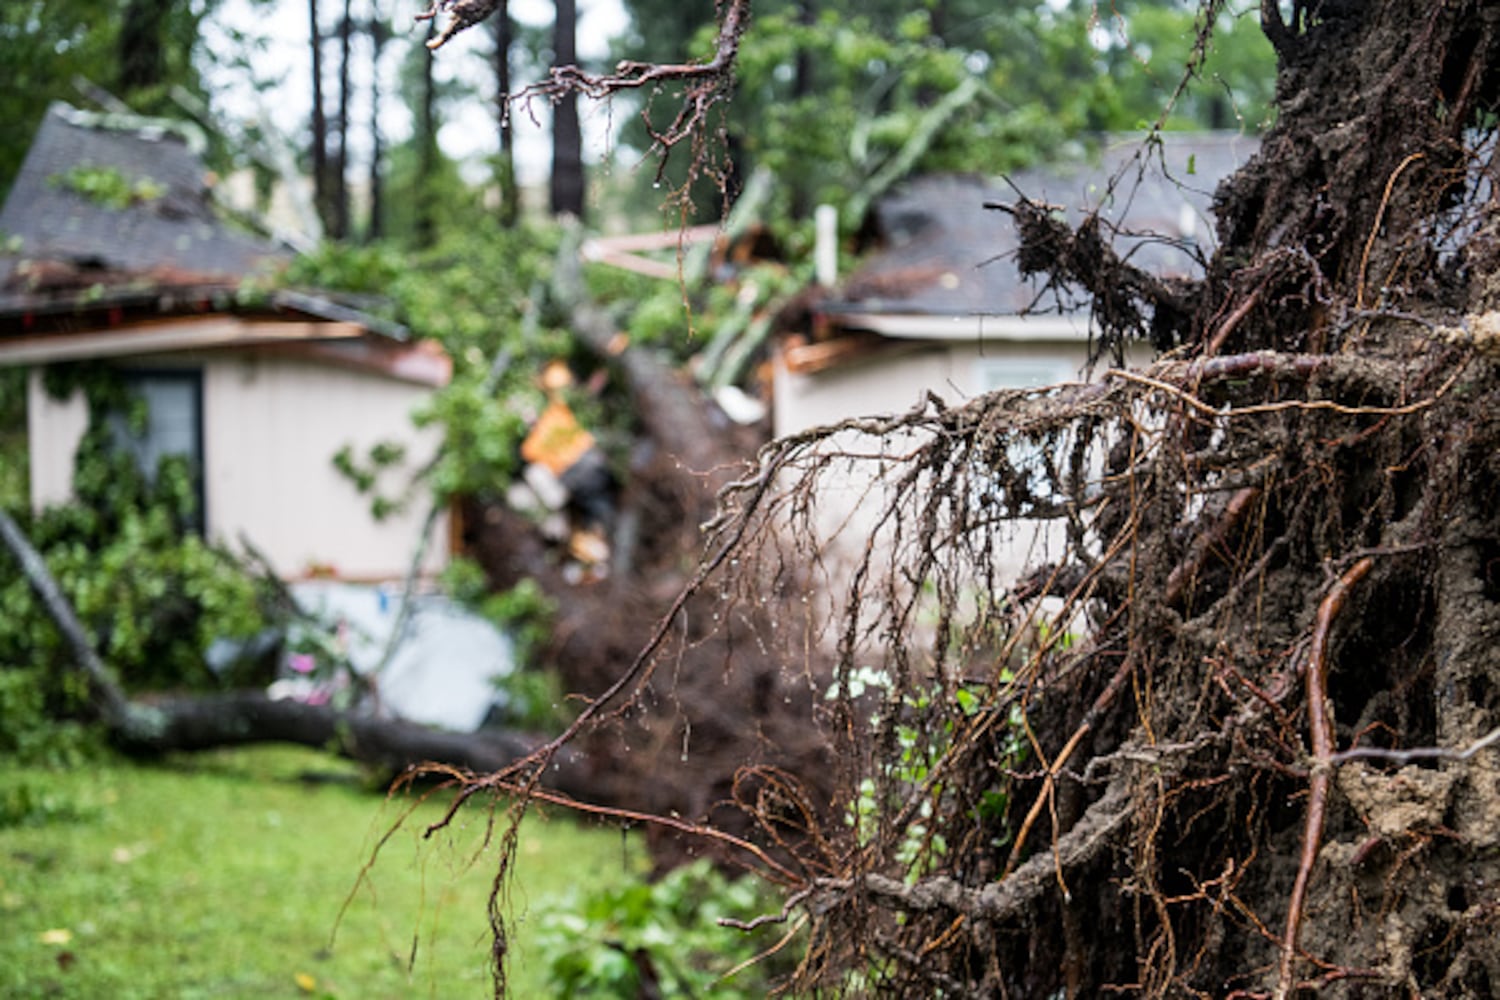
pixel 686 449
pixel 726 703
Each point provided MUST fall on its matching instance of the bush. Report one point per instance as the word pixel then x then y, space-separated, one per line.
pixel 126 553
pixel 663 939
pixel 29 736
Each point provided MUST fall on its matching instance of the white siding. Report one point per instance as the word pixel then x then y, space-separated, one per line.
pixel 851 494
pixel 893 383
pixel 271 428
pixel 884 384
pixel 53 428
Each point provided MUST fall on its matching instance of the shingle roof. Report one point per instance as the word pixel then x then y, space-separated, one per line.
pixel 944 254
pixel 173 228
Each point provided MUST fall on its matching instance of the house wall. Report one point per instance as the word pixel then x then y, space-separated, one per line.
pixel 850 496
pixel 271 426
pixel 53 428
pixel 895 382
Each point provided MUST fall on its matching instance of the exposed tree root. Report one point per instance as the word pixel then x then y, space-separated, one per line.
pixel 1320 726
pixel 1003 900
pixel 1097 780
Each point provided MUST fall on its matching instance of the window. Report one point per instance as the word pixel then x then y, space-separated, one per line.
pixel 174 425
pixel 1022 372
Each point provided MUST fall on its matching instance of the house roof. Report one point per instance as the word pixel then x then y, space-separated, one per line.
pixel 167 222
pixel 145 266
pixel 947 268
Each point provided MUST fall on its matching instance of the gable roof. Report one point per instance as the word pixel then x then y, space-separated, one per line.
pixel 947 259
pixel 154 269
pixel 171 225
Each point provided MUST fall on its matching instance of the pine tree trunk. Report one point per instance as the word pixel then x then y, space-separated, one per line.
pixel 567 134
pixel 375 229
pixel 341 165
pixel 427 136
pixel 505 166
pixel 143 63
pixel 319 122
pixel 802 84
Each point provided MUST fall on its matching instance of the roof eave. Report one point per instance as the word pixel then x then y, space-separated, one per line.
pixel 165 336
pixel 1035 327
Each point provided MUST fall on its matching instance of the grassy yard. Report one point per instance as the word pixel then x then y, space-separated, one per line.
pixel 223 875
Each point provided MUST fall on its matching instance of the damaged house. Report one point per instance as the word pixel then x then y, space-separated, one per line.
pixel 114 255
pixel 941 307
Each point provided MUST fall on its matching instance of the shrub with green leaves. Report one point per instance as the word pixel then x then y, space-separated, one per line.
pixel 533 697
pixel 35 734
pixel 662 939
pixel 29 733
pixel 151 593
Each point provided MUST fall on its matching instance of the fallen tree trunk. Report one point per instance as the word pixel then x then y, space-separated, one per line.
pixel 187 723
pixel 113 705
pixel 203 722
pixel 732 700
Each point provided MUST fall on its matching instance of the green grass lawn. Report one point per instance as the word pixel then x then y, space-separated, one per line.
pixel 223 875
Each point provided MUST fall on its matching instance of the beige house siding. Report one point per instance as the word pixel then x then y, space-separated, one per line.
pixel 851 496
pixel 897 381
pixel 271 426
pixel 271 429
pixel 53 428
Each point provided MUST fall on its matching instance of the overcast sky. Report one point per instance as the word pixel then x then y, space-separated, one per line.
pixel 469 134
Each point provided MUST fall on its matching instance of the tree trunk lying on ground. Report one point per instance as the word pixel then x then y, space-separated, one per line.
pixel 185 723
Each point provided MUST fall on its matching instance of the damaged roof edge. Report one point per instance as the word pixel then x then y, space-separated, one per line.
pixel 323 307
pixel 195 297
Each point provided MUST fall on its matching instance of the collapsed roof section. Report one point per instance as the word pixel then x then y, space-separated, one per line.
pixel 117 194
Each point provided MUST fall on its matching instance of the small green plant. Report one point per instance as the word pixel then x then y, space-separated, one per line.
pixel 534 698
pixel 365 474
pixel 108 186
pixel 526 613
pixel 33 743
pixel 30 733
pixel 28 800
pixel 923 733
pixel 664 939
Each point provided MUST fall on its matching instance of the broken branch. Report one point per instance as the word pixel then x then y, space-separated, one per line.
pixel 708 82
pixel 113 704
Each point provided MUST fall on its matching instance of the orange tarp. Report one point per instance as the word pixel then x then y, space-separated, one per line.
pixel 557 440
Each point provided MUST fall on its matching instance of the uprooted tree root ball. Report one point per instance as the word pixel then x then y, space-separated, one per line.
pixel 1272 574
pixel 1233 733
